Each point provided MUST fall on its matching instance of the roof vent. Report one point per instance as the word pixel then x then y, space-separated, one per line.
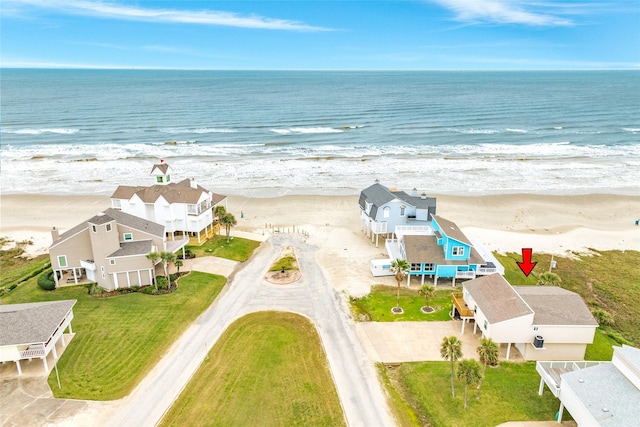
pixel 423 196
pixel 605 409
pixel 100 214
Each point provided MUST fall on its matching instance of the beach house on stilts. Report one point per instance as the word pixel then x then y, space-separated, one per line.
pixel 184 208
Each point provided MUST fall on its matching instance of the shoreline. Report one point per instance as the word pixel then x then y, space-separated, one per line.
pixel 503 223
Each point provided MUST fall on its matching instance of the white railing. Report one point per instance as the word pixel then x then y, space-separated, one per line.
pixel 413 230
pixel 465 274
pixel 31 353
pixel 379 227
pixel 551 372
pixel 484 271
pixel 88 264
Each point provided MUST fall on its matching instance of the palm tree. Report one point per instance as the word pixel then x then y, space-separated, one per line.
pixel 166 258
pixel 428 292
pixel 469 373
pixel 219 212
pixel 154 257
pixel 548 279
pixel 399 268
pixel 489 353
pixel 451 349
pixel 228 220
pixel 178 263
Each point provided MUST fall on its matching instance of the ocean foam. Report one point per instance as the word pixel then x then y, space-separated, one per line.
pixel 303 130
pixel 197 130
pixel 61 131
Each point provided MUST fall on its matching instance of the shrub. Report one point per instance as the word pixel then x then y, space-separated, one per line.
pixel 149 290
pixel 619 338
pixel 12 287
pixel 161 282
pixel 95 289
pixel 135 288
pixel 45 280
pixel 603 317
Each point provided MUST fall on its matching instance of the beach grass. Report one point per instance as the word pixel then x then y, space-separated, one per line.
pixel 119 339
pixel 267 369
pixel 509 393
pixel 377 305
pixel 607 280
pixel 236 249
pixel 15 266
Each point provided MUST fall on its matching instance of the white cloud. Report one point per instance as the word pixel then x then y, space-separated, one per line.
pixel 504 12
pixel 201 17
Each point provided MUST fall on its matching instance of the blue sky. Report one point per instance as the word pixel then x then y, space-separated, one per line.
pixel 403 34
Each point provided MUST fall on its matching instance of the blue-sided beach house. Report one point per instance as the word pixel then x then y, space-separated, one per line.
pixel 433 246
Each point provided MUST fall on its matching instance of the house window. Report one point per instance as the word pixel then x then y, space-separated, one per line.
pixel 158 179
pixel 128 236
pixel 416 266
pixel 385 212
pixel 108 227
pixel 402 209
pixel 94 229
pixel 457 251
pixel 168 178
pixel 428 267
pixel 62 261
pixel 191 209
pixel 112 262
pixel 116 203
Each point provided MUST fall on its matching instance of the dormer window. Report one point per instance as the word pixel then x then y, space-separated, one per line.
pixel 168 178
pixel 159 179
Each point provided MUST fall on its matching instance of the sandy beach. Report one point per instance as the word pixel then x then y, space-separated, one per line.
pixel 552 224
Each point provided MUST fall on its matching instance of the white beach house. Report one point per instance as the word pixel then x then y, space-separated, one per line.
pixel 32 331
pixel 184 208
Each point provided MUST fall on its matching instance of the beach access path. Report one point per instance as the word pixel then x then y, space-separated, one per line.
pixel 354 374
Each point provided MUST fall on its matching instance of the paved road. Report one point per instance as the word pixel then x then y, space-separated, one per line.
pixel 355 377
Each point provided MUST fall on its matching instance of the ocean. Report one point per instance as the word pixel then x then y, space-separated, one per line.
pixel 271 133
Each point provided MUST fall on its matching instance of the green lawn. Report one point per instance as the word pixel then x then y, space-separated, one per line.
pixel 237 249
pixel 509 393
pixel 602 347
pixel 267 369
pixel 119 339
pixel 377 305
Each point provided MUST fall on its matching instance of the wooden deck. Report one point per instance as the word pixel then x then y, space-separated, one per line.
pixel 461 306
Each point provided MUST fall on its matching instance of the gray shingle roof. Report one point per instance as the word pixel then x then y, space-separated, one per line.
pixel 556 306
pixel 120 217
pixel 451 230
pixel 377 194
pixel 138 247
pixel 31 323
pixel 496 298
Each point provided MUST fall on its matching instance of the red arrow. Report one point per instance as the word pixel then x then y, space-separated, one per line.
pixel 526 265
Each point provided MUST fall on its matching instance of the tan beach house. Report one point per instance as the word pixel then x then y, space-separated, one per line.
pixel 110 248
pixel 543 322
pixel 184 208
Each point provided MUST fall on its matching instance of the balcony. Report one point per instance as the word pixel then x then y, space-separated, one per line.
pixel 33 351
pixel 88 264
pixel 466 274
pixel 461 306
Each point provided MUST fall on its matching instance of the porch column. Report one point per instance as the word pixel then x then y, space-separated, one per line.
pixel 70 330
pixel 453 281
pixel 560 411
pixel 19 367
pixel 75 276
pixel 435 280
pixel 409 279
pixel 475 325
pixel 151 276
pixel 462 330
pixel 62 339
pixel 55 352
pixel 46 366
pixel 508 350
pixel 55 277
pixel 422 280
pixel 541 388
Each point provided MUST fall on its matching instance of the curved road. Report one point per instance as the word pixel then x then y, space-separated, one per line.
pixel 355 376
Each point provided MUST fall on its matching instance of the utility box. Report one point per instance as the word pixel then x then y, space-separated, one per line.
pixel 381 267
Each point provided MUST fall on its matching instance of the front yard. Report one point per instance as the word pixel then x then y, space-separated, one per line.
pixel 119 339
pixel 377 305
pixel 236 249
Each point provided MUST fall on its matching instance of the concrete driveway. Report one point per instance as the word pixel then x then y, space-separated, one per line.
pixel 354 374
